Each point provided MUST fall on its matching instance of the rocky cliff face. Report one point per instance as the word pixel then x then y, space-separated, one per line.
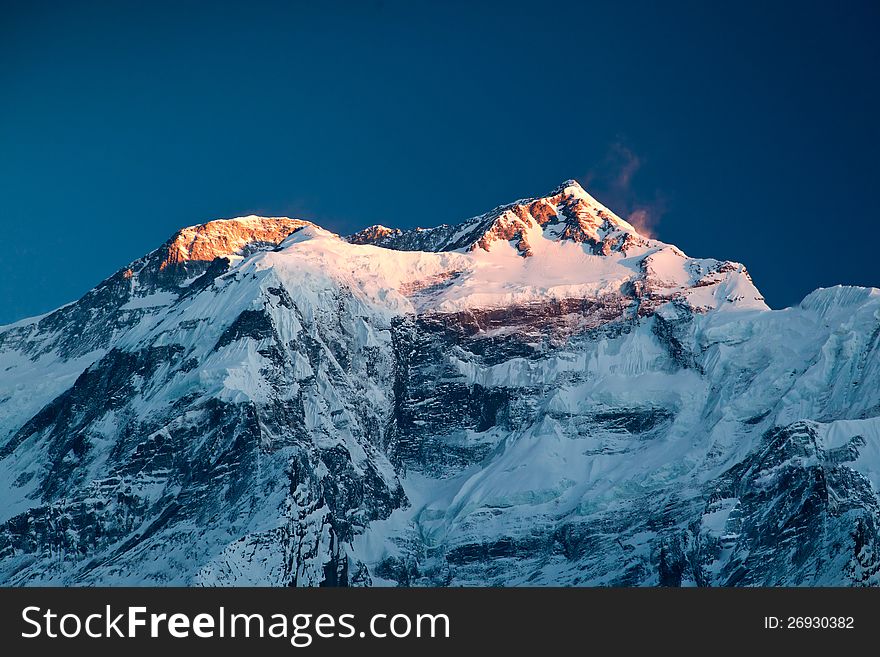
pixel 537 396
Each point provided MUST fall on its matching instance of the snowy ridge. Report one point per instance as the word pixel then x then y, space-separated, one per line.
pixel 567 212
pixel 537 396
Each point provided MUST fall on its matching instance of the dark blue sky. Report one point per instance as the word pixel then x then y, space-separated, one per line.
pixel 746 132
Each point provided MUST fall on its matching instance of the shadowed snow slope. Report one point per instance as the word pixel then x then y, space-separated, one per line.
pixel 536 396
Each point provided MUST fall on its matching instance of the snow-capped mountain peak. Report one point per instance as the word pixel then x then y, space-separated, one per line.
pixel 563 245
pixel 568 212
pixel 537 395
pixel 223 238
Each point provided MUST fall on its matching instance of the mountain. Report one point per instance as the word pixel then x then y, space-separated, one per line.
pixel 536 396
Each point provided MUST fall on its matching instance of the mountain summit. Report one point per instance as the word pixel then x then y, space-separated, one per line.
pixel 566 213
pixel 538 395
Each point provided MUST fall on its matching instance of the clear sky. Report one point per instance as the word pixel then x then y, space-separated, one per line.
pixel 744 131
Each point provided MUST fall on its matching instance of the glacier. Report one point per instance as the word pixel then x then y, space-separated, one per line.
pixel 538 396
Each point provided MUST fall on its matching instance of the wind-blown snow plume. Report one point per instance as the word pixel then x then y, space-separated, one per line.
pixel 615 178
